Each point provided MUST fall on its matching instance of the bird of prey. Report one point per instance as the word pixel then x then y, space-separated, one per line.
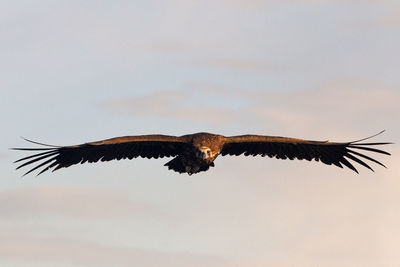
pixel 194 153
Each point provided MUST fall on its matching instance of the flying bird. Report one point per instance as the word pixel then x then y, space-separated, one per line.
pixel 194 153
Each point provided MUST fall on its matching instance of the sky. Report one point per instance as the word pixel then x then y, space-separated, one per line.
pixel 73 72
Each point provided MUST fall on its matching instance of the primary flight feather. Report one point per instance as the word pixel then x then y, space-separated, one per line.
pixel 195 153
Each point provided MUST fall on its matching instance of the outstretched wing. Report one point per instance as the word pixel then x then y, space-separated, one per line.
pixel 292 148
pixel 145 146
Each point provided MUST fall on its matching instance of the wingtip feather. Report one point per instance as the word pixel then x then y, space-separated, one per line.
pixel 363 139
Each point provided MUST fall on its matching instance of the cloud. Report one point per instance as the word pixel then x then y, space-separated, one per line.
pixel 337 104
pixel 64 201
pixel 184 105
pixel 241 65
pixel 391 19
pixel 334 105
pixel 84 253
pixel 325 215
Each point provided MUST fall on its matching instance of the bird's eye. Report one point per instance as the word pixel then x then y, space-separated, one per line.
pixel 208 152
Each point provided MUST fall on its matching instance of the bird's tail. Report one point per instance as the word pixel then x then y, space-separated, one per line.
pixel 177 164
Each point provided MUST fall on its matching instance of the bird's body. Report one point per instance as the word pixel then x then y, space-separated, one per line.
pixel 199 154
pixel 195 153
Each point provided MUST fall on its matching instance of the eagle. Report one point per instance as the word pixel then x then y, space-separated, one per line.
pixel 194 153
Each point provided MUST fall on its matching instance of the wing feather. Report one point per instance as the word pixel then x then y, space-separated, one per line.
pixel 330 153
pixel 127 147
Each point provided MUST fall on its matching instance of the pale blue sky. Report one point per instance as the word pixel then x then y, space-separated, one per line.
pixel 72 72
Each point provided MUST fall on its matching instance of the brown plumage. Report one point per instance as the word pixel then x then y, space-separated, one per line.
pixel 195 153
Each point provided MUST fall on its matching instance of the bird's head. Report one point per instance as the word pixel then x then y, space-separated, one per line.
pixel 205 153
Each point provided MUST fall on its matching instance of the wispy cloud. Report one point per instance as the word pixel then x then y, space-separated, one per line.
pixel 391 19
pixel 241 65
pixel 345 103
pixel 64 201
pixel 79 252
pixel 184 105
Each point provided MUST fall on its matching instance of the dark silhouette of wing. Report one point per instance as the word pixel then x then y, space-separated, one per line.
pixel 292 148
pixel 128 147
